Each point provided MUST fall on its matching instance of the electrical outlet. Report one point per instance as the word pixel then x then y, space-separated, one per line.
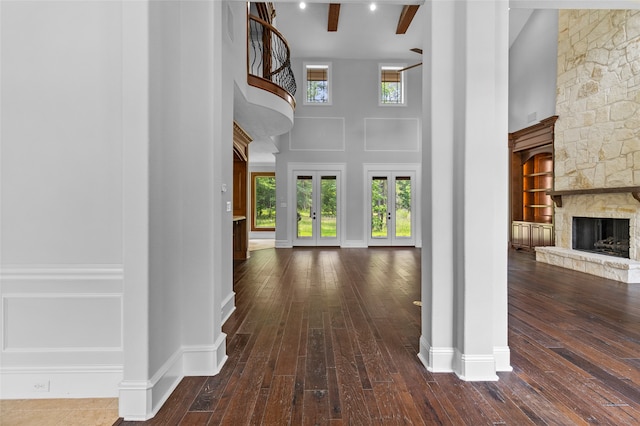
pixel 41 386
pixel 228 206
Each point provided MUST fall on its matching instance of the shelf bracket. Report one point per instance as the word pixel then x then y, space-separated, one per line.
pixel 557 199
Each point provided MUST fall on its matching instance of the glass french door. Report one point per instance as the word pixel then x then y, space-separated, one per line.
pixel 317 205
pixel 391 203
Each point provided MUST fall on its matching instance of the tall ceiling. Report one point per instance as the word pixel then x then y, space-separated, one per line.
pixel 361 33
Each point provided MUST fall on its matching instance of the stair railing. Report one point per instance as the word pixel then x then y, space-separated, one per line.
pixel 269 60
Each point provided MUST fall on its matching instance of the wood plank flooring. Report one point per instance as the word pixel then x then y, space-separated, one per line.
pixel 330 336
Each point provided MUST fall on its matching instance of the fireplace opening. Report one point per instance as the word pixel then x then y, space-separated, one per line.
pixel 601 235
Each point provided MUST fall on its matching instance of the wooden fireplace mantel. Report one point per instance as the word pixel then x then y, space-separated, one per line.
pixel 556 196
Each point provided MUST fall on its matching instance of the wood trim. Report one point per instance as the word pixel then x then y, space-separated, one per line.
pixel 539 134
pixel 406 16
pixel 556 196
pixel 241 140
pixel 334 16
pixel 271 87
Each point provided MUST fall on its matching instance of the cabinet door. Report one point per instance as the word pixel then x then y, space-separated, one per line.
pixel 541 235
pixel 520 234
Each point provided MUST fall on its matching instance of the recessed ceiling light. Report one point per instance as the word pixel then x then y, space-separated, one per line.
pixel 372 7
pixel 303 5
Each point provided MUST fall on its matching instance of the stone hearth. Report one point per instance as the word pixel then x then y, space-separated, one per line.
pixel 615 206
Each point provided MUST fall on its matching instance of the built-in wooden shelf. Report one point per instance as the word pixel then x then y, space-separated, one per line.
pixel 531 171
pixel 556 196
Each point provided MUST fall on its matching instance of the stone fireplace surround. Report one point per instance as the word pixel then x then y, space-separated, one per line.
pixel 605 205
pixel 597 135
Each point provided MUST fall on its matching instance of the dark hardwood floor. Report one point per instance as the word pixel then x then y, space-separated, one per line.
pixel 330 336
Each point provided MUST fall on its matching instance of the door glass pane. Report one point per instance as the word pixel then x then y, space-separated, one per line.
pixel 403 206
pixel 379 191
pixel 304 206
pixel 329 205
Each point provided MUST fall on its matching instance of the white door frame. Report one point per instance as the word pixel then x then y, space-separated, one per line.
pixel 393 170
pixel 330 168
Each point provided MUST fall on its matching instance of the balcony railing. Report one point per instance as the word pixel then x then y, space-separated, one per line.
pixel 269 60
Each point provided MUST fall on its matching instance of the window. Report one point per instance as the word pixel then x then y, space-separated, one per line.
pixel 391 85
pixel 318 84
pixel 263 201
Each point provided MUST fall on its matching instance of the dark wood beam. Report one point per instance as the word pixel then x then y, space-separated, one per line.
pixel 406 16
pixel 334 15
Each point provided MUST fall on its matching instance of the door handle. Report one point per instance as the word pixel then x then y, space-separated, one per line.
pixel 389 215
pixel 313 216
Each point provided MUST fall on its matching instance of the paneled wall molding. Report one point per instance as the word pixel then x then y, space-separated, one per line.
pixel 392 134
pixel 62 272
pixel 318 134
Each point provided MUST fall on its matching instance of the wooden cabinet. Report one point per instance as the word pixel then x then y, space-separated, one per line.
pixel 525 235
pixel 531 171
pixel 241 142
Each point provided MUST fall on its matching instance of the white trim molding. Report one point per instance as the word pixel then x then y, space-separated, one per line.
pixel 502 355
pixel 228 306
pixel 95 381
pixel 141 400
pixel 475 368
pixel 436 360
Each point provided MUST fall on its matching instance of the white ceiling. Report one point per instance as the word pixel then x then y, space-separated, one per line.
pixel 362 33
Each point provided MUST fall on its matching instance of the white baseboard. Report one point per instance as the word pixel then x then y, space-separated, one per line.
pixel 354 244
pixel 502 355
pixel 436 360
pixel 141 400
pixel 60 382
pixel 283 244
pixel 228 306
pixel 475 367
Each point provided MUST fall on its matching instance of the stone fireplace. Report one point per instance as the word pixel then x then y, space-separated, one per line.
pixel 597 141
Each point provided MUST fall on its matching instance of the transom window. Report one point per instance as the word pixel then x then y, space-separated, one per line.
pixel 391 85
pixel 318 83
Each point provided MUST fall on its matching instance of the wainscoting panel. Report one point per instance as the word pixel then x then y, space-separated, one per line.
pixel 54 322
pixel 61 331
pixel 391 134
pixel 317 134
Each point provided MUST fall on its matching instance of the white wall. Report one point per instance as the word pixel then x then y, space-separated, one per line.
pixel 189 262
pixel 116 244
pixel 338 134
pixel 533 61
pixel 61 199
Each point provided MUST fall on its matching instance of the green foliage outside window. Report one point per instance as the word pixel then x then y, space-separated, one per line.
pixel 265 202
pixel 317 91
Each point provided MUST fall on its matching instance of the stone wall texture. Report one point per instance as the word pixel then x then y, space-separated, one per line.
pixel 597 140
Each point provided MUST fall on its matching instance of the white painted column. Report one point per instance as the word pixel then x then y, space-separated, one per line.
pixel 135 389
pixel 465 180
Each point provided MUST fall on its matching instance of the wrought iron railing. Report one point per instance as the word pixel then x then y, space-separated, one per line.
pixel 269 58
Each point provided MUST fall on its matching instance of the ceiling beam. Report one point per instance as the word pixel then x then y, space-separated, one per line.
pixel 334 15
pixel 406 16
